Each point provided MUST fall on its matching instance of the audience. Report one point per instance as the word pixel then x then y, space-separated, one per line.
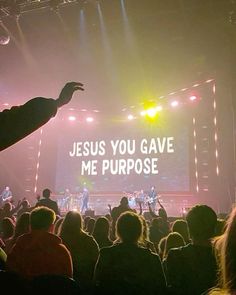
pixel 173 240
pixel 7 230
pixel 101 232
pixel 180 226
pixel 226 249
pixel 117 211
pixel 22 227
pixel 144 239
pixel 127 268
pixel 40 252
pixel 192 269
pixel 83 248
pixel 90 226
pixel 48 248
pixel 48 202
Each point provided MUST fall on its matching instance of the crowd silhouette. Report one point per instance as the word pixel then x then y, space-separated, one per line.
pixel 120 253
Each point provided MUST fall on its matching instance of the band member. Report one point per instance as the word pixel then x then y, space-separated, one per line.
pixel 140 198
pixel 6 195
pixel 66 200
pixel 85 199
pixel 152 198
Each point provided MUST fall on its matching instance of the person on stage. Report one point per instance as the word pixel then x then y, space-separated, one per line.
pixel 6 195
pixel 140 198
pixel 85 199
pixel 152 198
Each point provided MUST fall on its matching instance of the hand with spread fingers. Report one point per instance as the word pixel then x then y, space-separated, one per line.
pixel 68 91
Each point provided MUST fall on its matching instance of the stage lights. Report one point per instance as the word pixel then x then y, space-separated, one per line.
pixel 193 97
pixel 72 118
pixel 130 117
pixel 89 119
pixel 174 103
pixel 142 113
pixel 151 113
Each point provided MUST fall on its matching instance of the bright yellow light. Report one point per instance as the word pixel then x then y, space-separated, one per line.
pixel 159 108
pixel 151 112
pixel 143 113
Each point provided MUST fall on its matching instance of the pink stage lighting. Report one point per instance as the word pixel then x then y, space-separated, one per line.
pixel 193 97
pixel 174 103
pixel 71 118
pixel 89 119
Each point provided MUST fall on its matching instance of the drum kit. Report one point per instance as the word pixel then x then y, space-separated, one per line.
pixel 139 198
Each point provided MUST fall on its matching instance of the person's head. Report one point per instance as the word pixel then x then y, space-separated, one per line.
pixel 46 193
pixel 25 204
pixel 129 227
pixel 124 201
pixel 173 240
pixel 7 188
pixel 201 221
pixel 71 225
pixel 180 226
pixel 145 233
pixel 90 225
pixel 7 207
pixel 101 227
pixel 161 247
pixel 57 226
pixel 157 222
pixel 8 228
pixel 42 218
pixel 152 188
pixel 22 224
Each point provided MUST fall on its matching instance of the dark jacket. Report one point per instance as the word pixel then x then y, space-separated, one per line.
pixel 50 204
pixel 20 121
pixel 129 269
pixel 191 269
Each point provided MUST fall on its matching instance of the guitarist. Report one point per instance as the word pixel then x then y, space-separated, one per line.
pixel 152 198
pixel 5 196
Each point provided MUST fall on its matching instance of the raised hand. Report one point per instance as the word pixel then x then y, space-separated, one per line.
pixel 67 92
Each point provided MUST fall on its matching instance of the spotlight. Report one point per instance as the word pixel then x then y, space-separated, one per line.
pixel 143 113
pixel 89 119
pixel 193 97
pixel 71 118
pixel 174 103
pixel 151 112
pixel 159 108
pixel 130 117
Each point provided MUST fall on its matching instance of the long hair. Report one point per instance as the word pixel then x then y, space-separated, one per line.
pixel 71 226
pixel 228 254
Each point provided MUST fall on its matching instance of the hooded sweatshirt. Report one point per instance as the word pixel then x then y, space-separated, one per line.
pixel 39 253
